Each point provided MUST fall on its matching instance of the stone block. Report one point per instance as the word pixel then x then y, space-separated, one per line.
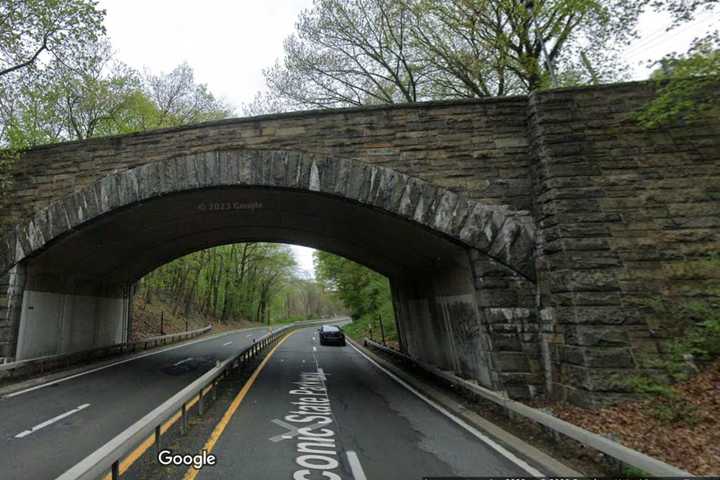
pixel 503 342
pixel 596 336
pixel 583 280
pixel 505 361
pixel 596 379
pixel 598 315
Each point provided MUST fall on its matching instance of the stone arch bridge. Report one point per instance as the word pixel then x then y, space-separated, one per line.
pixel 520 235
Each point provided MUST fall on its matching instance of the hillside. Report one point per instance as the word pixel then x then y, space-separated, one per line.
pixel 146 319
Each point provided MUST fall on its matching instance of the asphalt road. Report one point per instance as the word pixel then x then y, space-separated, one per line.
pixel 46 431
pixel 327 412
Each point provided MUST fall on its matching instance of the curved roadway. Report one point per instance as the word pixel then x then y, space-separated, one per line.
pixel 47 430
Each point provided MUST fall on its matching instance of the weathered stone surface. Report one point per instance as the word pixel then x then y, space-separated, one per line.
pixel 511 361
pixel 374 186
pixel 566 206
pixel 596 336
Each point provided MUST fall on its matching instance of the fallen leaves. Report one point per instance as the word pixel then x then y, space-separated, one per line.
pixel 692 444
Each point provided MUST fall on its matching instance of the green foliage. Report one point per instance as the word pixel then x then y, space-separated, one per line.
pixel 32 30
pixel 368 325
pixel 248 281
pixel 365 293
pixel 687 329
pixel 360 52
pixel 646 385
pixel 692 332
pixel 633 472
pixel 104 98
pixel 688 86
pixel 665 404
pixel 179 100
pixel 692 325
pixel 675 410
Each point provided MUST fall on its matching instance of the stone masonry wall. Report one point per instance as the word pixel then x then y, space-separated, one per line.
pixel 508 319
pixel 618 208
pixel 478 148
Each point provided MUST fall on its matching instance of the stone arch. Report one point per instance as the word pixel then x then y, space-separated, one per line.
pixel 503 234
pixel 461 272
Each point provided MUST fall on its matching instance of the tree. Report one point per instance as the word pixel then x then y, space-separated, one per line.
pixel 360 52
pixel 689 82
pixel 348 52
pixel 180 100
pixel 365 293
pixel 32 29
pixel 36 35
pixel 105 97
pixel 489 47
pixel 250 281
pixel 90 102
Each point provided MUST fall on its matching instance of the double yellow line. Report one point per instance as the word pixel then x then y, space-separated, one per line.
pixel 128 461
pixel 220 427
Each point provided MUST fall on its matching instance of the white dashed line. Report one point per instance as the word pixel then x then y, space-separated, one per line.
pixel 182 361
pixel 51 421
pixel 314 349
pixel 113 364
pixel 355 466
pixel 227 343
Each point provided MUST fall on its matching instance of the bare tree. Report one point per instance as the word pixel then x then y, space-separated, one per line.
pixel 359 52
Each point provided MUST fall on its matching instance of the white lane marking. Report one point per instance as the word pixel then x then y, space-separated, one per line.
pixel 119 362
pixel 314 348
pixel 226 344
pixel 475 432
pixel 355 466
pixel 51 421
pixel 322 373
pixel 182 361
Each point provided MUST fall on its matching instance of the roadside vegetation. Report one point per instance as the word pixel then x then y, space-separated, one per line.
pixel 366 295
pixel 60 81
pixel 231 286
pixel 677 417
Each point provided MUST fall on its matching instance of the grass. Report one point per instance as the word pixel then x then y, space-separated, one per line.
pixel 368 326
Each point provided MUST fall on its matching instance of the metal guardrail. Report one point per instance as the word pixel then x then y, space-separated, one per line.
pixel 108 457
pixel 47 362
pixel 619 452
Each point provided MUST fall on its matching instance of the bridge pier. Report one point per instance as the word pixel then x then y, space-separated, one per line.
pixel 11 291
pixel 49 314
pixel 476 318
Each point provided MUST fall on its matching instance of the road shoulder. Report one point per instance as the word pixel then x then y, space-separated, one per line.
pixel 496 433
pixel 10 389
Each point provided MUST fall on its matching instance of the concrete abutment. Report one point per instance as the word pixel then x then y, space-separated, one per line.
pixel 54 315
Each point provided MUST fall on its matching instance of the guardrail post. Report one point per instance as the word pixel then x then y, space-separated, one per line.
pixel 158 434
pixel 201 403
pixel 115 472
pixel 183 423
pixel 214 390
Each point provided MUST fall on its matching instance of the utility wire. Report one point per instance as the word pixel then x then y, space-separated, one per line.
pixel 640 49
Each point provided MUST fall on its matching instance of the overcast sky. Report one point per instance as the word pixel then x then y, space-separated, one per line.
pixel 228 43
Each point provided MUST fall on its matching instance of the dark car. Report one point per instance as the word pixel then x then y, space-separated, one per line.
pixel 330 334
